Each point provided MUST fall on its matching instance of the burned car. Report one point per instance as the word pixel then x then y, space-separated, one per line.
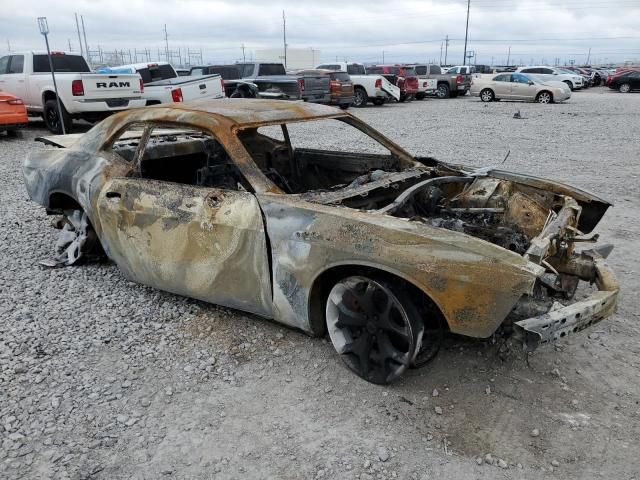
pixel 231 202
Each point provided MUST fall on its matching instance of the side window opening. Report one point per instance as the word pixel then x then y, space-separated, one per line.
pixel 180 154
pixel 289 156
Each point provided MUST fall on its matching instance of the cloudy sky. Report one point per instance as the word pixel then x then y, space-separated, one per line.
pixel 538 31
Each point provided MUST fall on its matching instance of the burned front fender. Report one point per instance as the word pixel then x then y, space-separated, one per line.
pixel 474 283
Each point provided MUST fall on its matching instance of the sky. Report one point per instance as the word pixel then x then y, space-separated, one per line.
pixel 535 31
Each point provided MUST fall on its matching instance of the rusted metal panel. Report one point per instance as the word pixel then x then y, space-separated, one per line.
pixel 474 283
pixel 198 242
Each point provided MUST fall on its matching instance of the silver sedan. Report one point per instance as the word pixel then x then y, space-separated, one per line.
pixel 518 86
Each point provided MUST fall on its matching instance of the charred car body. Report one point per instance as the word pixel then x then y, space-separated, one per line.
pixel 222 201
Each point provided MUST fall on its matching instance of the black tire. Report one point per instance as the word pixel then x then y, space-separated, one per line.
pixel 544 97
pixel 487 95
pixel 420 96
pixel 569 84
pixel 378 101
pixel 624 88
pixel 238 94
pixel 345 106
pixel 52 120
pixel 13 132
pixel 443 91
pixel 360 97
pixel 403 98
pixel 374 326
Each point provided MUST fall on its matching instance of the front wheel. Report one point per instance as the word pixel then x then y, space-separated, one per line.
pixel 544 97
pixel 625 88
pixel 360 98
pixel 569 84
pixel 52 117
pixel 487 95
pixel 374 326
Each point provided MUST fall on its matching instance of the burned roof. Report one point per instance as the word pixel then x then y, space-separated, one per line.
pixel 242 111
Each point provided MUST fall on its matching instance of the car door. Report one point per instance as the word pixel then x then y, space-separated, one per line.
pixel 635 80
pixel 203 242
pixel 501 85
pixel 520 87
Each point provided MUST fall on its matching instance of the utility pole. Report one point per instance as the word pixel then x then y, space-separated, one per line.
pixel 79 38
pixel 166 43
pixel 383 57
pixel 466 34
pixel 509 56
pixel 440 53
pixel 8 46
pixel 589 56
pixel 44 30
pixel 284 37
pixel 69 41
pixel 86 45
pixel 446 48
pixel 244 60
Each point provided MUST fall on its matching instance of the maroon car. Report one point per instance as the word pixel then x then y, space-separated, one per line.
pixel 405 78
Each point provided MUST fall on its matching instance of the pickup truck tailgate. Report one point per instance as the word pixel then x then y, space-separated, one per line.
pixel 316 87
pixel 193 87
pixel 104 86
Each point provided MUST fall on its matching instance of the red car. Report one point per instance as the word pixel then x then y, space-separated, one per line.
pixel 13 113
pixel 405 78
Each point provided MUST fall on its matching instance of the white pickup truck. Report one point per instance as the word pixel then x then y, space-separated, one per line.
pixel 83 94
pixel 366 88
pixel 162 84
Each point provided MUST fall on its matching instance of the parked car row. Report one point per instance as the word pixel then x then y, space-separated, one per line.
pixel 91 96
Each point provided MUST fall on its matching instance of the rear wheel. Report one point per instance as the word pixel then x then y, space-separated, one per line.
pixel 625 88
pixel 360 98
pixel 443 91
pixel 52 117
pixel 374 326
pixel 77 241
pixel 420 96
pixel 487 95
pixel 378 101
pixel 344 106
pixel 544 97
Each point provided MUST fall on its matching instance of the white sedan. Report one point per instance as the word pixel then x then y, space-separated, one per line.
pixel 518 86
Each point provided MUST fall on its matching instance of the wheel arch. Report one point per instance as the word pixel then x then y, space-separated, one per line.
pixel 59 201
pixel 325 279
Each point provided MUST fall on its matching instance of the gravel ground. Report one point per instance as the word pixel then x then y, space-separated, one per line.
pixel 102 378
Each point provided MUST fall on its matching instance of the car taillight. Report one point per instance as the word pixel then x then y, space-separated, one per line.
pixel 378 83
pixel 141 86
pixel 222 83
pixel 334 84
pixel 301 84
pixel 77 88
pixel 176 95
pixel 458 79
pixel 16 101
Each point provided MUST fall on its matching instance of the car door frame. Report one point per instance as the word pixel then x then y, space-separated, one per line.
pixel 205 243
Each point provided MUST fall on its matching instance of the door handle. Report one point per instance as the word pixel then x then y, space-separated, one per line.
pixel 114 195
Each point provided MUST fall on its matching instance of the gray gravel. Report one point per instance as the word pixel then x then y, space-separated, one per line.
pixel 103 378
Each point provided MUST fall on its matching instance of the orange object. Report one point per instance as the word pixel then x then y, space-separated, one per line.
pixel 13 113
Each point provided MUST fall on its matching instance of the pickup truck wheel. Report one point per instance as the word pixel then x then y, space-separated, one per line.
pixel 625 88
pixel 443 91
pixel 360 98
pixel 52 119
pixel 344 106
pixel 378 101
pixel 374 326
pixel 487 95
pixel 420 96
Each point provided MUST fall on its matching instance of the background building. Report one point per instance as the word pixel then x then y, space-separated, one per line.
pixel 297 58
